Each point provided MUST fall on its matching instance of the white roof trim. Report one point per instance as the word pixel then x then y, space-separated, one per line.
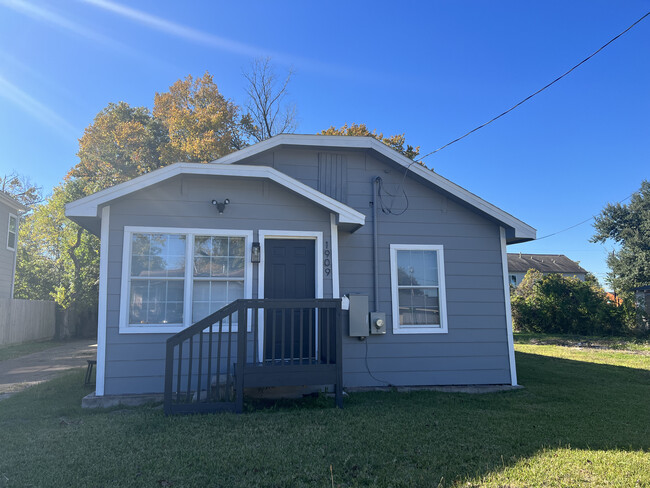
pixel 12 202
pixel 88 206
pixel 522 230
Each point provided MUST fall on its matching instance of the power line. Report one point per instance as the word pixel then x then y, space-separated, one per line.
pixel 537 92
pixel 579 223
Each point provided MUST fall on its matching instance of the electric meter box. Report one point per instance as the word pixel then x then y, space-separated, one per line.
pixel 377 323
pixel 359 326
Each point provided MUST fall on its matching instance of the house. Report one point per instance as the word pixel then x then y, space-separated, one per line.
pixel 519 264
pixel 304 218
pixel 10 210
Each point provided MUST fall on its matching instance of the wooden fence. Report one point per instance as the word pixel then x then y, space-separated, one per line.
pixel 26 320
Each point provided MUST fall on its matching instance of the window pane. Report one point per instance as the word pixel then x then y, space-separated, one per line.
pixel 219 267
pixel 235 290
pixel 157 255
pixel 11 240
pixel 419 306
pixel 201 266
pixel 220 246
pixel 237 246
pixel 201 291
pixel 219 291
pixel 417 268
pixel 13 224
pixel 236 267
pixel 202 246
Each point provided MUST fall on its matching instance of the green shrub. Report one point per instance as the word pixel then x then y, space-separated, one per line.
pixel 564 305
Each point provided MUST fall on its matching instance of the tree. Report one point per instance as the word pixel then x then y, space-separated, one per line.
pixel 268 113
pixel 396 141
pixel 21 188
pixel 566 305
pixel 628 225
pixel 57 259
pixel 122 142
pixel 202 124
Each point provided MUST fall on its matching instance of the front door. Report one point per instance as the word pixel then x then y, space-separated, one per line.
pixel 289 272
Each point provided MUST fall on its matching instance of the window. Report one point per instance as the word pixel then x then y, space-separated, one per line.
pixel 418 289
pixel 218 273
pixel 12 232
pixel 175 277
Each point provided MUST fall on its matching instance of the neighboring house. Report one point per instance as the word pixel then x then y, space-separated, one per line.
pixel 10 211
pixel 173 251
pixel 519 264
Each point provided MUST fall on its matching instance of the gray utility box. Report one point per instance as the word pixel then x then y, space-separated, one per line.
pixel 359 326
pixel 377 323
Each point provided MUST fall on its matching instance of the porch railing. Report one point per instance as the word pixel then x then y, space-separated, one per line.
pixel 253 343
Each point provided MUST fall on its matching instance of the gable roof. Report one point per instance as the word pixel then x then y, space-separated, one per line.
pixel 12 202
pixel 516 230
pixel 86 211
pixel 546 263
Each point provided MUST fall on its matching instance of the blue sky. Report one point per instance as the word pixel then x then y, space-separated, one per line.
pixel 432 70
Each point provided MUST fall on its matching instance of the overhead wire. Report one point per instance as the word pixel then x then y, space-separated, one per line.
pixel 537 92
pixel 579 223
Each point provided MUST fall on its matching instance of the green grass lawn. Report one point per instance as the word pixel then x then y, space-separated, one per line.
pixel 17 350
pixel 583 419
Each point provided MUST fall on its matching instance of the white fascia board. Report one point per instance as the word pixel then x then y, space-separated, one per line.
pixel 522 230
pixel 12 202
pixel 88 206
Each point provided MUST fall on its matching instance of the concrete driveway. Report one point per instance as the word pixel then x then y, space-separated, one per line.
pixel 21 373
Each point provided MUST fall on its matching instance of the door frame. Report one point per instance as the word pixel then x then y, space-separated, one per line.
pixel 318 266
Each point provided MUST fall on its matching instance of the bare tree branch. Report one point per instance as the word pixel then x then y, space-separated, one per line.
pixel 268 112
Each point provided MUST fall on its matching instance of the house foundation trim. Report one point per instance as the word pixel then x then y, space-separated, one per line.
pixel 506 297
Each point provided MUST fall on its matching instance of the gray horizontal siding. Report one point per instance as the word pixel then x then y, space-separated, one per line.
pixel 135 361
pixel 474 351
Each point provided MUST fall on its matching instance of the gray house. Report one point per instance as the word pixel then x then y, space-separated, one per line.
pixel 519 264
pixel 10 210
pixel 419 261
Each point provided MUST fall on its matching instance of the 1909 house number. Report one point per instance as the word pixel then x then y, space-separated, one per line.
pixel 326 261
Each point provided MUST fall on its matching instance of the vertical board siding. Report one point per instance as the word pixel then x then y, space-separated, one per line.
pixel 26 320
pixel 332 176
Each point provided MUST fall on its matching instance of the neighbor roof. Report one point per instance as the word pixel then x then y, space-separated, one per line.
pixel 546 263
pixel 516 230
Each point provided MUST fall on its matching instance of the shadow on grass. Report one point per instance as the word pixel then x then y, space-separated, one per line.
pixel 568 408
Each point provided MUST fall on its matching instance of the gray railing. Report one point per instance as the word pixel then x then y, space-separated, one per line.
pixel 253 343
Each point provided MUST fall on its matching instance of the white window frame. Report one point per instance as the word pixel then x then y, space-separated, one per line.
pixel 442 295
pixel 188 279
pixel 12 216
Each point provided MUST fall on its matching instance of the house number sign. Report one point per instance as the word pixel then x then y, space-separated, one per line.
pixel 326 261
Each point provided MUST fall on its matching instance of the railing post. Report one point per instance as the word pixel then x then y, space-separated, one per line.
pixel 242 332
pixel 339 356
pixel 169 378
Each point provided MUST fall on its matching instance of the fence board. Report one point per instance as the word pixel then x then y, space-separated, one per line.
pixel 26 320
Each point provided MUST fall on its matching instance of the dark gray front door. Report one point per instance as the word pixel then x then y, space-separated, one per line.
pixel 289 272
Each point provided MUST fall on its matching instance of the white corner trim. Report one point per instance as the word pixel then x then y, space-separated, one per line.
pixel 442 293
pixel 124 326
pixel 522 230
pixel 87 206
pixel 100 370
pixel 334 256
pixel 506 297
